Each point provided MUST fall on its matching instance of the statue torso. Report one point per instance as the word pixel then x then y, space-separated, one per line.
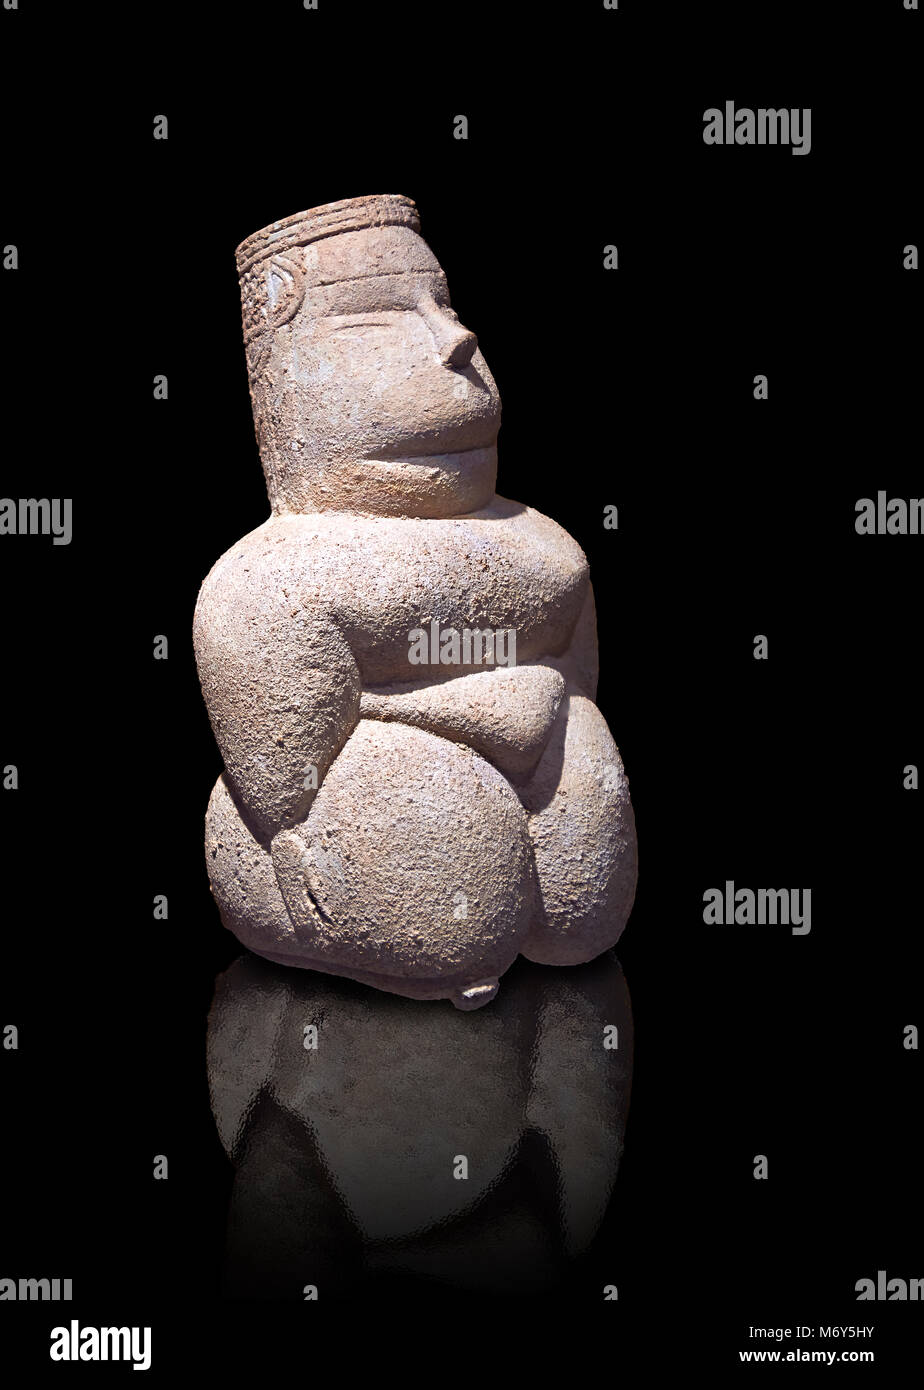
pixel 380 578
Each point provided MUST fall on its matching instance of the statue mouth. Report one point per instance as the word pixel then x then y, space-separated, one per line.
pixel 426 456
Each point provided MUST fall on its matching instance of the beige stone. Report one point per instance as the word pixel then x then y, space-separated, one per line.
pixel 399 665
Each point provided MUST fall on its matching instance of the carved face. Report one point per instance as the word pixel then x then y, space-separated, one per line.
pixel 372 396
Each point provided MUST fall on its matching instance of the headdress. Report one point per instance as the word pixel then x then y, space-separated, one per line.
pixel 272 282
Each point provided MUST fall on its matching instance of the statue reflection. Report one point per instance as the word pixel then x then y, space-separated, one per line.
pixel 377 1137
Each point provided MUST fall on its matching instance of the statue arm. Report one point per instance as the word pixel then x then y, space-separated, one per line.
pixel 282 691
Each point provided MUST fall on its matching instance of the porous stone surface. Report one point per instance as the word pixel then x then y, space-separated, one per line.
pixel 430 836
pixel 506 714
pixel 399 665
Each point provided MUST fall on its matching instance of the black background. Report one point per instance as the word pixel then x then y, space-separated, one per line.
pixel 736 517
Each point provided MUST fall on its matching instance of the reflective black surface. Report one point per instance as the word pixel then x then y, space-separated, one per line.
pixel 348 1155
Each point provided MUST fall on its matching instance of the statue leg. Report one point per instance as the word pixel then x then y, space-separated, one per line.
pixel 582 830
pixel 412 868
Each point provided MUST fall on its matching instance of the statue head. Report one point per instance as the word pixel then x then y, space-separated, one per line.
pixel 368 393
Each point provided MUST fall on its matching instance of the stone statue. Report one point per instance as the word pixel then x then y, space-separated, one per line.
pixel 399 665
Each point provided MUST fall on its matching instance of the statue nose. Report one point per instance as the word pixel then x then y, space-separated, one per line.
pixel 460 349
pixel 455 344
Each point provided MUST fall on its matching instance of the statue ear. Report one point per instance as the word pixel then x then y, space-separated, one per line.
pixel 272 297
pixel 285 290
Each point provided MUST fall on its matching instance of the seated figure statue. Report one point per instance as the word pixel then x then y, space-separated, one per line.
pixel 399 665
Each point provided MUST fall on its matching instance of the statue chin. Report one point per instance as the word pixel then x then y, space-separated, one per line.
pixel 428 485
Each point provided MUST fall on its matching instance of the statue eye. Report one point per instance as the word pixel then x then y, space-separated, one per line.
pixel 359 326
